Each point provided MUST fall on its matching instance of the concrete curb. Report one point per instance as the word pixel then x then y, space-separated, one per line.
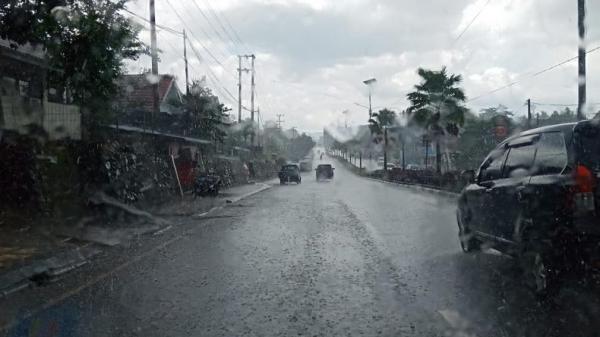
pixel 263 187
pixel 44 270
pixel 417 188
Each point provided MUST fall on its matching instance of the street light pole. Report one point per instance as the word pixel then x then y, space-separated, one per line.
pixel 369 83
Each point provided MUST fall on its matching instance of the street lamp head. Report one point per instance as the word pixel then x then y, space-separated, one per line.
pixel 370 81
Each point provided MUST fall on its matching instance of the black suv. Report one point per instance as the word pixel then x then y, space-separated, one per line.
pixel 535 197
pixel 290 173
pixel 324 171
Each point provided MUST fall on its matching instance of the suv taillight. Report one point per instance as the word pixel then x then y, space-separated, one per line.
pixel 585 187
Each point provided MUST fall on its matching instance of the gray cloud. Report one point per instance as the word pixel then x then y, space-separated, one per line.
pixel 312 61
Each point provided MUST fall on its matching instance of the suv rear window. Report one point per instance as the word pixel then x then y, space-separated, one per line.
pixel 520 161
pixel 551 157
pixel 588 145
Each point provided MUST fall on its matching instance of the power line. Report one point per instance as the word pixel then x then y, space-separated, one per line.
pixel 216 82
pixel 470 23
pixel 165 28
pixel 532 76
pixel 212 11
pixel 237 36
pixel 211 25
pixel 561 104
pixel 212 56
pixel 208 37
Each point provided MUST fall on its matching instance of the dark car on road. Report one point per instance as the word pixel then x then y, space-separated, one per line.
pixel 536 197
pixel 290 173
pixel 324 171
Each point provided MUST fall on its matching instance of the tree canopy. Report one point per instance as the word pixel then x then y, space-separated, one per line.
pixel 380 120
pixel 203 115
pixel 437 106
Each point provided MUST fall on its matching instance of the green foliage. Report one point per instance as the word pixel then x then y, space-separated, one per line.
pixel 28 21
pixel 491 112
pixel 299 147
pixel 436 105
pixel 203 115
pixel 380 120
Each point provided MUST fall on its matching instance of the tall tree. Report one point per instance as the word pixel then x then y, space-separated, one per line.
pixel 378 124
pixel 437 106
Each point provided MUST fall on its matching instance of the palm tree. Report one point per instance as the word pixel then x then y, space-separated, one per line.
pixel 436 106
pixel 378 124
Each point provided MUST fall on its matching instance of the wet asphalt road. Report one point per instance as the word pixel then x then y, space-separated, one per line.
pixel 349 257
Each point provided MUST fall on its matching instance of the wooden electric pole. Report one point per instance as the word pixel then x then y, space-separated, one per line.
pixel 187 80
pixel 155 77
pixel 529 113
pixel 239 88
pixel 582 75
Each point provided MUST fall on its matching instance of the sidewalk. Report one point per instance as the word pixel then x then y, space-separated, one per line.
pixel 32 255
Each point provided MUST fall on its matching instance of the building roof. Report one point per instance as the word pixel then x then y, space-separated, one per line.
pixel 136 90
pixel 135 129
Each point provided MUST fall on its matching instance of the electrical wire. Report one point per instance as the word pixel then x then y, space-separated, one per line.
pixel 214 29
pixel 220 23
pixel 212 56
pixel 165 28
pixel 532 75
pixel 470 23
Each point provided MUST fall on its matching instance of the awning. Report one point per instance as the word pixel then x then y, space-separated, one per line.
pixel 128 128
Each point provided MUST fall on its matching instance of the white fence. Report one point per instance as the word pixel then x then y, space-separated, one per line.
pixel 58 120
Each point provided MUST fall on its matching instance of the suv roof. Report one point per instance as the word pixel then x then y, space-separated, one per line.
pixel 565 128
pixel 550 128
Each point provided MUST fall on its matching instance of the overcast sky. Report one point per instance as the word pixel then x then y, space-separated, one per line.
pixel 312 55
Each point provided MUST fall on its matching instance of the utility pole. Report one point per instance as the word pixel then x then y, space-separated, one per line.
pixel 252 87
pixel 529 113
pixel 385 148
pixel 258 126
pixel 279 121
pixel 239 88
pixel 582 75
pixel 370 109
pixel 187 80
pixel 154 53
pixel 240 69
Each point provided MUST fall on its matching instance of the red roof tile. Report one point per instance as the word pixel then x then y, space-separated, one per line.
pixel 136 90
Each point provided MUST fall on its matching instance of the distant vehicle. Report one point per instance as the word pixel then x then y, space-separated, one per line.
pixel 306 165
pixel 537 197
pixel 290 173
pixel 324 171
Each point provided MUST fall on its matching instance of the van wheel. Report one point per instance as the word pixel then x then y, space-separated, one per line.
pixel 468 242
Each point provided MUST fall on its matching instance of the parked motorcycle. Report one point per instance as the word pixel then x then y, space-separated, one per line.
pixel 206 185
